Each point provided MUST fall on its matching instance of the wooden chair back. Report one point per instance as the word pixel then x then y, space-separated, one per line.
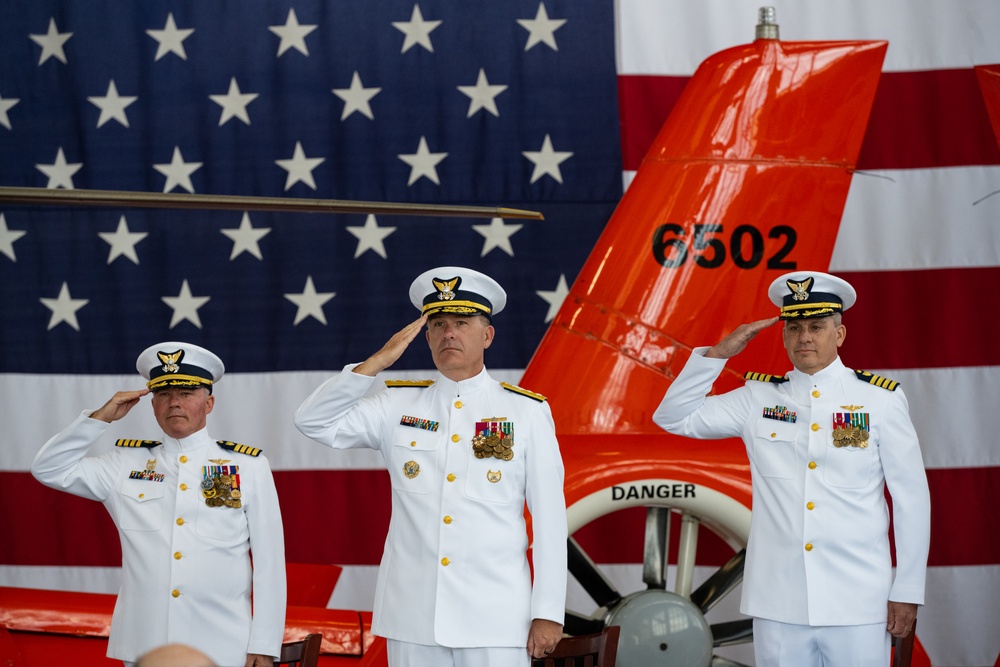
pixel 301 653
pixel 597 650
pixel 902 649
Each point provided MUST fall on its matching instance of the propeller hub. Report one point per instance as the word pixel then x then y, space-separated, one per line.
pixel 661 628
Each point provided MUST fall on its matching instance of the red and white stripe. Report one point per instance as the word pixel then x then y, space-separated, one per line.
pixel 919 239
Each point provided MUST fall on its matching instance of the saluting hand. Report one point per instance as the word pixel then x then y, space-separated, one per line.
pixel 737 341
pixel 118 406
pixel 392 350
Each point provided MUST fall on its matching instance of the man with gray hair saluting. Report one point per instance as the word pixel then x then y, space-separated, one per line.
pixel 189 510
pixel 824 442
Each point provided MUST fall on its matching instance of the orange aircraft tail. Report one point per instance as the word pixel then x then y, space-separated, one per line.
pixel 746 180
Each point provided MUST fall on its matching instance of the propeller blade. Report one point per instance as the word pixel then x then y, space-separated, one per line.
pixel 578 624
pixel 732 632
pixel 590 576
pixel 721 583
pixel 655 545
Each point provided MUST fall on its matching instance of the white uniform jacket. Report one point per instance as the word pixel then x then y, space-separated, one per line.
pixel 186 572
pixel 818 552
pixel 454 571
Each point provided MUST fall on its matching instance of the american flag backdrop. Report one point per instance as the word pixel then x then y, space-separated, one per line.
pixel 546 106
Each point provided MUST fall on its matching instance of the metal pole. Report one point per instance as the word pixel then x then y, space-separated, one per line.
pixel 129 199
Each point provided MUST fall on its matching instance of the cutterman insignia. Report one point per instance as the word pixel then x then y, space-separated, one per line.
pixel 764 377
pixel 128 442
pixel 877 380
pixel 238 448
pixel 149 474
pixel 522 391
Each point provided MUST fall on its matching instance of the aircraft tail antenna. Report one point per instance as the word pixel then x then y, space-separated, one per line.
pixel 767 23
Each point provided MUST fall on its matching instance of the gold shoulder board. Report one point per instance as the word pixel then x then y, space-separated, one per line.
pixel 129 442
pixel 764 377
pixel 408 383
pixel 877 380
pixel 523 392
pixel 238 448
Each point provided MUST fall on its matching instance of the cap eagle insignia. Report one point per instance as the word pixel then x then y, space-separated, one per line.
pixel 170 360
pixel 800 291
pixel 446 288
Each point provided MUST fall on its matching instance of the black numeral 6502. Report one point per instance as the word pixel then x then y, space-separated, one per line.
pixel 671 250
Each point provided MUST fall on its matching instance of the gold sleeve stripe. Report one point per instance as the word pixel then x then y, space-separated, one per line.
pixel 523 392
pixel 408 383
pixel 877 380
pixel 238 448
pixel 130 442
pixel 764 377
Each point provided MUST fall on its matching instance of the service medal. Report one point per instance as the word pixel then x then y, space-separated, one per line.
pixel 494 438
pixel 220 485
pixel 851 429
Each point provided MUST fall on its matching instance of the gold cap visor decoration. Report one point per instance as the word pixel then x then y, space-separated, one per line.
pixel 177 364
pixel 805 295
pixel 457 290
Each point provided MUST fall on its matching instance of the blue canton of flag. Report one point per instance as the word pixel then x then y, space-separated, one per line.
pixel 483 103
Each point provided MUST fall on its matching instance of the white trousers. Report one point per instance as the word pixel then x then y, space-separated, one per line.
pixel 404 654
pixel 786 645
